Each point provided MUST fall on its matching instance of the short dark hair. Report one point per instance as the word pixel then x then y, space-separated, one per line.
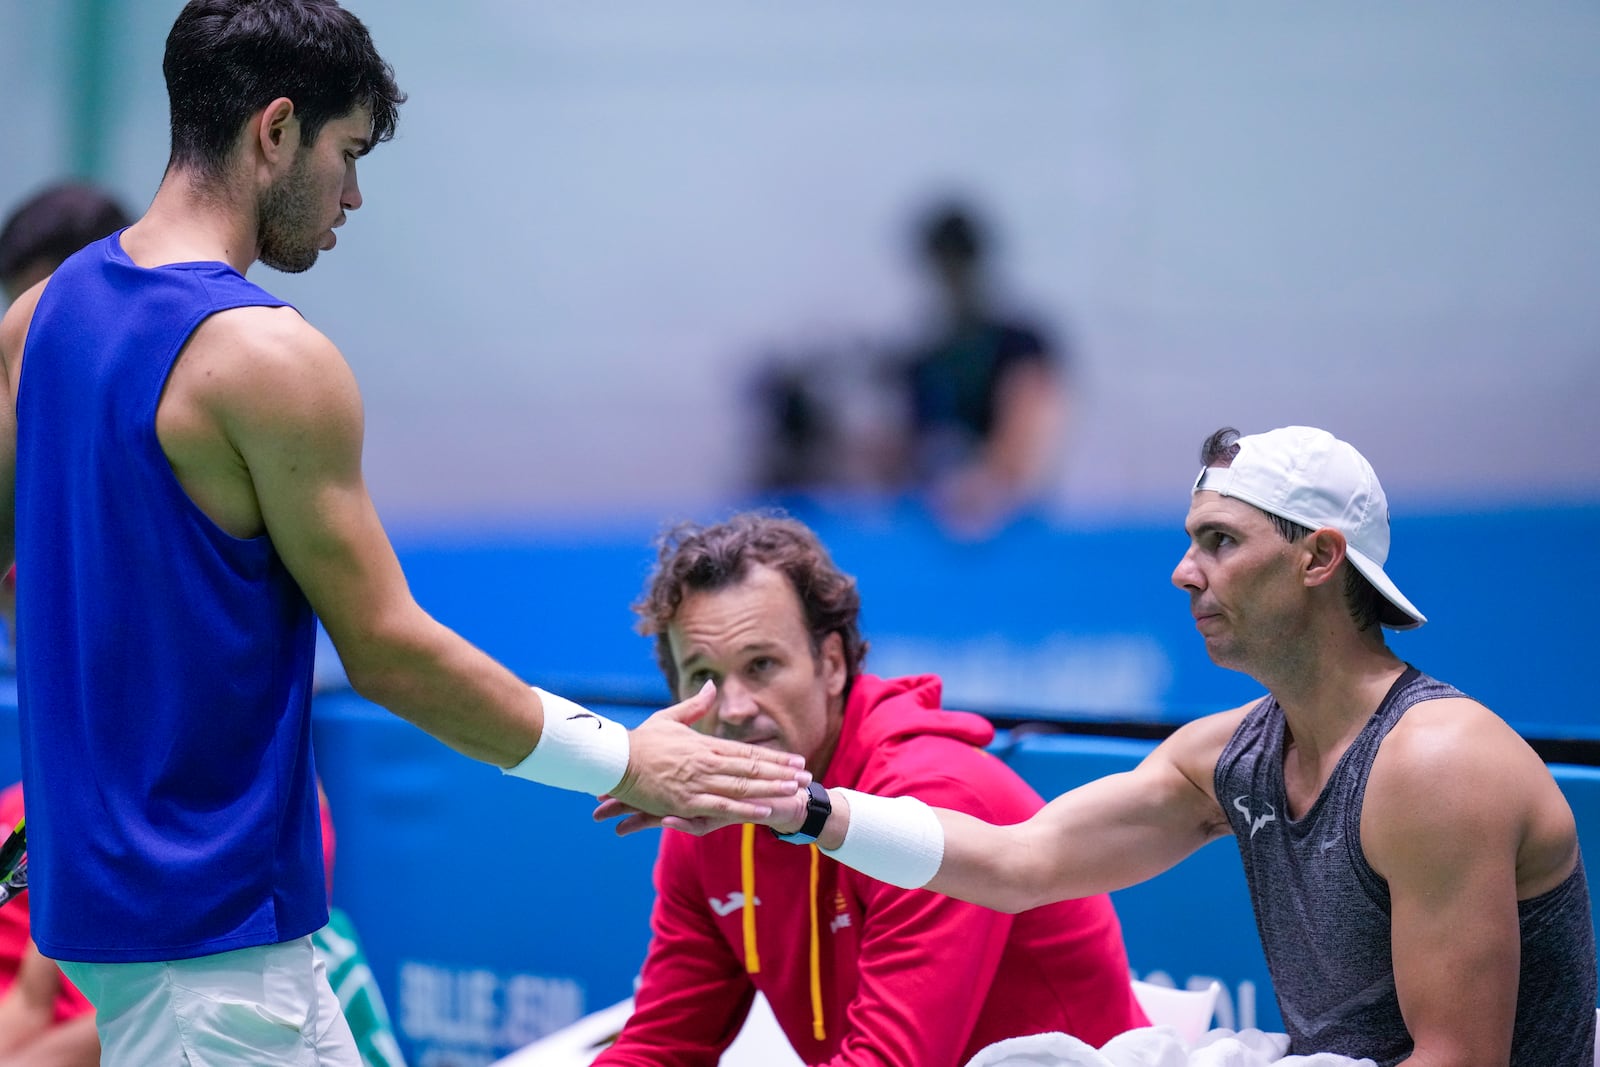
pixel 1368 607
pixel 694 559
pixel 227 59
pixel 54 223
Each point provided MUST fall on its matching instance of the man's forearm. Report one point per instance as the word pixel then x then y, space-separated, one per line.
pixel 440 683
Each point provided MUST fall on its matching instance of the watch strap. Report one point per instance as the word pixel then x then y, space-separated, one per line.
pixel 818 807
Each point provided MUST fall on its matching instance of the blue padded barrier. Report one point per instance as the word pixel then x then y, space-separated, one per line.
pixel 1041 621
pixel 1581 786
pixel 10 737
pixel 493 910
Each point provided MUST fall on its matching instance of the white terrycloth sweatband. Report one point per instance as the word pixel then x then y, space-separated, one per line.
pixel 577 750
pixel 897 840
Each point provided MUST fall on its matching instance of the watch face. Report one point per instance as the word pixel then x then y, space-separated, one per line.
pixel 818 807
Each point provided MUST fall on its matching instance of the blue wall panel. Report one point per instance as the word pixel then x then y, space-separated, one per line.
pixel 1049 621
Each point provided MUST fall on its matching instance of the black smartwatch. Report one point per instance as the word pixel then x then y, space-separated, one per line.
pixel 818 808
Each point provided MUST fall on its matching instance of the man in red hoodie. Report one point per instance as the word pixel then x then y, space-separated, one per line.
pixel 857 971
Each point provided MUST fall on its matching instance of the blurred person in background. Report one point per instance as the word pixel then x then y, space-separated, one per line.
pixel 856 971
pixel 985 389
pixel 1413 865
pixel 181 481
pixel 826 413
pixel 49 226
pixel 967 419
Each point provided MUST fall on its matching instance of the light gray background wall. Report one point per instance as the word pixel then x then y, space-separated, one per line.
pixel 1384 219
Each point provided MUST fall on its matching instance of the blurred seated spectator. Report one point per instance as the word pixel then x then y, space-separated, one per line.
pixel 967 418
pixel 826 411
pixel 985 388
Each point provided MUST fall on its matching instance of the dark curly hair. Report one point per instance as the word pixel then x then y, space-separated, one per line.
pixel 693 559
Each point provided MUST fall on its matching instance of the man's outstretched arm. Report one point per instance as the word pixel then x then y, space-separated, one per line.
pixel 287 406
pixel 1105 835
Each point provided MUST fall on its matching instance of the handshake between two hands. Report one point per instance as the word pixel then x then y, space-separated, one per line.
pixel 686 780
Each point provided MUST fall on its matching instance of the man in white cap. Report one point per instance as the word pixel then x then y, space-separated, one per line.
pixel 1413 866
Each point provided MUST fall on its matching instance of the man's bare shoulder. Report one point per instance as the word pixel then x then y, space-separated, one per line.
pixel 260 376
pixel 1198 743
pixel 263 336
pixel 270 354
pixel 1451 768
pixel 1449 737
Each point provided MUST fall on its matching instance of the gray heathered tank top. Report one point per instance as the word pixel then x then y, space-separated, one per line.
pixel 1323 913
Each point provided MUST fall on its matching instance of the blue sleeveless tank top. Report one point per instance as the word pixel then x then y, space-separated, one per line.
pixel 163 666
pixel 1323 912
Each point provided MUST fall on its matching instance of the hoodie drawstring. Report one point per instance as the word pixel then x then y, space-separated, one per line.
pixel 747 888
pixel 752 958
pixel 817 1030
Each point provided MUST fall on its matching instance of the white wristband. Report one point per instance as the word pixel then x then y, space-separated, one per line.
pixel 577 749
pixel 897 840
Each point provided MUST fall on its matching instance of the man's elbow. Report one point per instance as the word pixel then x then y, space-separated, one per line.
pixel 1024 895
pixel 1010 904
pixel 377 664
pixel 370 683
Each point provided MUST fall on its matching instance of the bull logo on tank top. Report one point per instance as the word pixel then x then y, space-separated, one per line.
pixel 1256 821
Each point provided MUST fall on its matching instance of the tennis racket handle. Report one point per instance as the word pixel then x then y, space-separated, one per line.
pixel 13 849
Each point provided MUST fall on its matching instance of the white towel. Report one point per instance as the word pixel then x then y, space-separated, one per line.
pixel 1155 1046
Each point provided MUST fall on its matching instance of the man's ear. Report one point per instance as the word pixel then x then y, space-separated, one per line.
pixel 277 130
pixel 831 661
pixel 1325 550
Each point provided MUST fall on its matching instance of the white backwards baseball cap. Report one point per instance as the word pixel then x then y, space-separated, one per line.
pixel 1311 477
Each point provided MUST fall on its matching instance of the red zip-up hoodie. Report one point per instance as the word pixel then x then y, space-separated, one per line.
pixel 859 972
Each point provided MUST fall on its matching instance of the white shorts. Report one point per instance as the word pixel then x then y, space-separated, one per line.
pixel 265 1005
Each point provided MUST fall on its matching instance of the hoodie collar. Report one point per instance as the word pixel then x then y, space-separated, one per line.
pixel 881 711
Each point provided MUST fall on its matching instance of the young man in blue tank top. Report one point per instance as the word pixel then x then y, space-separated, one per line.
pixel 1415 868
pixel 180 480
